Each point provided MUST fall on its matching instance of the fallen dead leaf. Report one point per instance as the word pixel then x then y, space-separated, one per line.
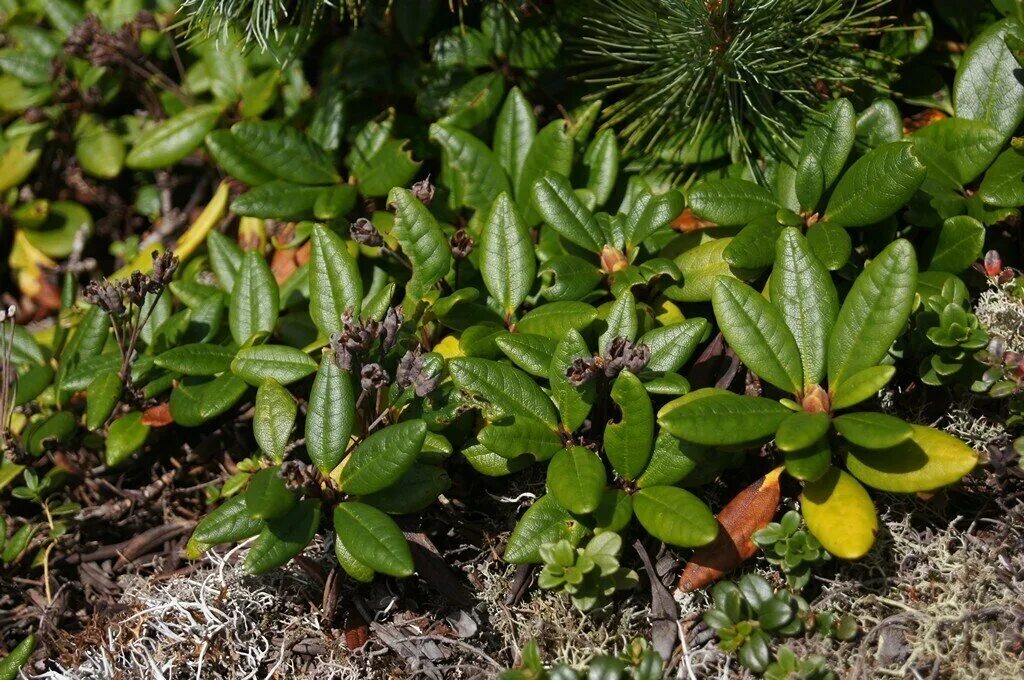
pixel 751 510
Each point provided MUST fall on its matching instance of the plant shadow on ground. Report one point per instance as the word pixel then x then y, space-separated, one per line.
pixel 941 591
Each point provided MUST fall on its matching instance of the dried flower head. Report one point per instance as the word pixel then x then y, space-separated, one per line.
pixel 411 373
pixel 135 287
pixel 298 476
pixel 373 377
pixel 104 295
pixel 622 355
pixel 581 371
pixel 363 231
pixel 164 266
pixel 462 243
pixel 423 191
pixel 389 328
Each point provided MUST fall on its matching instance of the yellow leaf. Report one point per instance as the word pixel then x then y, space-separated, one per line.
pixel 449 348
pixel 212 214
pixel 27 261
pixel 929 460
pixel 194 549
pixel 143 262
pixel 840 514
pixel 667 312
pixel 252 234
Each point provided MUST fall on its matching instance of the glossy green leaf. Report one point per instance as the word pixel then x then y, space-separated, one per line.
pixel 192 404
pixel 862 385
pixel 474 102
pixel 672 461
pixel 602 162
pixel 518 436
pixel 378 161
pixel 99 151
pixel 514 131
pixel 574 277
pixel 171 140
pixel 872 430
pixel 330 415
pixel 672 345
pixel 754 246
pixel 507 261
pixel 254 300
pixel 627 443
pixel 280 200
pixel 383 457
pixel 414 491
pixel 576 478
pixel 877 185
pixel 574 402
pixel 878 124
pixel 196 359
pixel 335 286
pixel 507 388
pixel 731 202
pixel 543 522
pixel 534 47
pixel 285 537
pixel 225 259
pixel 969 146
pixel 758 333
pixel 802 291
pixel 267 495
pixel 461 46
pixel 960 242
pixel 701 266
pixel 279 362
pixel 228 523
pixel 550 153
pixel 373 538
pixel 554 319
pixel 491 464
pixel 874 313
pixel 237 159
pixel 987 87
pixel 675 516
pixel 811 462
pixel 929 460
pixel 560 207
pixel 1003 184
pixel 422 241
pixel 285 152
pixel 831 244
pixel 273 419
pixel 477 175
pixel 621 321
pixel 840 514
pixel 725 419
pixel 102 396
pixel 801 430
pixel 530 352
pixel 19 656
pixel 829 140
pixel 125 436
pixel 353 567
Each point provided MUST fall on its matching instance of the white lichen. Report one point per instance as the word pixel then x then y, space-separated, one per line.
pixel 1001 312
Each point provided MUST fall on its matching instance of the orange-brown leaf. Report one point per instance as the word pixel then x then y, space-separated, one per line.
pixel 922 119
pixel 688 222
pixel 283 264
pixel 751 510
pixel 157 416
